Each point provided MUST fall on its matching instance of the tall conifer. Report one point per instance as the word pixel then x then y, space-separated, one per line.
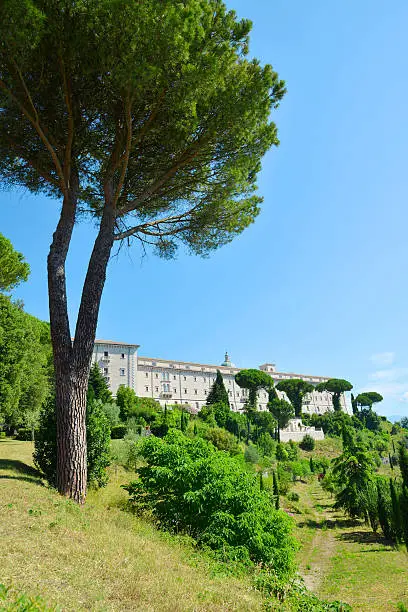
pixel 275 490
pixel 218 392
pixel 403 463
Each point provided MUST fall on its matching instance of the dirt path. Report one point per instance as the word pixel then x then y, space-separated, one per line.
pixel 316 525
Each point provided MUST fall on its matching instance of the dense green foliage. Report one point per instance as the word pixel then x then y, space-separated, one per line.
pixel 25 365
pixel 295 390
pixel 98 443
pixel 307 443
pixel 282 412
pixel 253 381
pixel 193 488
pixel 97 386
pixel 218 393
pixel 13 268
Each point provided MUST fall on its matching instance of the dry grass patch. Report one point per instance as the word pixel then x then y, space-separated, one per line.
pixel 99 557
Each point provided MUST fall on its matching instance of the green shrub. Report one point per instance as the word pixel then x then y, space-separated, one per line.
pixel 293 450
pixel 13 601
pixel 281 452
pixel 223 440
pixel 98 443
pixel 292 496
pixel 118 432
pixel 192 488
pixel 2 434
pixel 251 454
pixel 24 434
pixel 308 443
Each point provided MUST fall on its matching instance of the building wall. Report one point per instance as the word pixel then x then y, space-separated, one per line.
pixel 180 382
pixel 118 363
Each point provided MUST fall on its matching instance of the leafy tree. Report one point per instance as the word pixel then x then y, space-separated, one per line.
pixel 25 365
pixel 335 386
pixel 282 411
pixel 374 396
pixel 404 422
pixel 97 385
pixel 126 399
pixel 295 390
pixel 354 404
pixel 254 381
pixel 218 393
pixel 363 399
pixel 13 268
pixel 157 134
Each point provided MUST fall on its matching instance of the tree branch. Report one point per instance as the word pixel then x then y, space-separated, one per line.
pixel 188 155
pixel 70 138
pixel 36 124
pixel 125 162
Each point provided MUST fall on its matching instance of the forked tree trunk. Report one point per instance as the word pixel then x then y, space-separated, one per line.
pixel 72 357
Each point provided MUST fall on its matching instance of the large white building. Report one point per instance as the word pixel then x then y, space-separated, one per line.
pixel 183 382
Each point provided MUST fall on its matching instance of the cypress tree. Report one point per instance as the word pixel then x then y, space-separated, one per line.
pixel 396 513
pixel 261 482
pixel 183 421
pixel 403 505
pixel 311 464
pixel 393 446
pixel 275 489
pixel 195 429
pixel 97 386
pixel 382 513
pixel 390 460
pixel 218 393
pixel 165 414
pixel 403 463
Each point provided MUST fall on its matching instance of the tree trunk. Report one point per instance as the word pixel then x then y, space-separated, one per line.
pixel 72 358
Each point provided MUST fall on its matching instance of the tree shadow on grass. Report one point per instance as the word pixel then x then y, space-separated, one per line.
pixel 22 470
pixel 329 523
pixel 366 537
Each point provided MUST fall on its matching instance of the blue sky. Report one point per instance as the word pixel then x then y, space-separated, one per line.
pixel 319 283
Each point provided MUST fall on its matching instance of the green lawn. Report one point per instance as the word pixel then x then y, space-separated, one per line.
pixel 100 557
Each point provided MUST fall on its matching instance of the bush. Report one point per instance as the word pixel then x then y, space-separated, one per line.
pixel 223 440
pixel 24 434
pixel 13 601
pixel 2 434
pixel 98 443
pixel 191 487
pixel 118 432
pixel 308 443
pixel 281 452
pixel 292 496
pixel 251 454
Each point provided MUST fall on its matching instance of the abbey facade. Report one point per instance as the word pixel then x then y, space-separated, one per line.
pixel 182 382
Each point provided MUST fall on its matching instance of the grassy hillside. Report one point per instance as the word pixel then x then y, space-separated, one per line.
pixel 99 557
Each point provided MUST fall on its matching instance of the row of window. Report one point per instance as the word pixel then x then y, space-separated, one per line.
pixel 106 354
